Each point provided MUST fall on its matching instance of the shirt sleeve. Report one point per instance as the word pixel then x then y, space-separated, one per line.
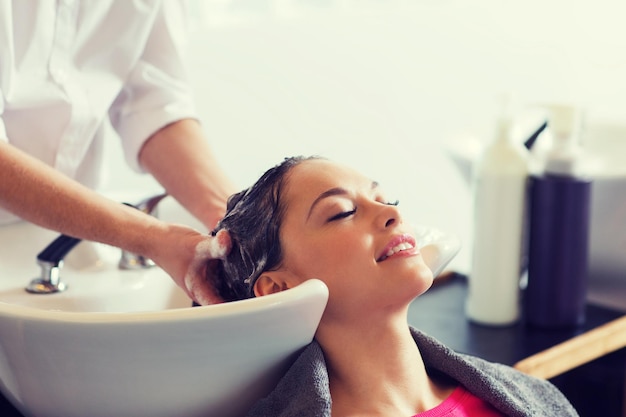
pixel 157 91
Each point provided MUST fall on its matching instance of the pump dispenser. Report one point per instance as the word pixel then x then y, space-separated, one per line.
pixel 560 200
pixel 499 192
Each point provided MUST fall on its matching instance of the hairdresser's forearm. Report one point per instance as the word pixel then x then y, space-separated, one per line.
pixel 180 158
pixel 39 194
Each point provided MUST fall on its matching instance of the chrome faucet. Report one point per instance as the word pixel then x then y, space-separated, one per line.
pixel 130 260
pixel 51 261
pixel 51 258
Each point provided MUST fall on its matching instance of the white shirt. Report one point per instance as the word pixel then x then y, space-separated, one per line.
pixel 72 70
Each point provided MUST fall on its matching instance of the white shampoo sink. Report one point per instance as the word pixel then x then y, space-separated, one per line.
pixel 128 343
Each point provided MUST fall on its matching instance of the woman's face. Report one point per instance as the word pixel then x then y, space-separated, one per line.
pixel 339 227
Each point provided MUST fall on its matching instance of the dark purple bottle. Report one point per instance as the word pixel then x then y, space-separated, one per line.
pixel 558 236
pixel 558 251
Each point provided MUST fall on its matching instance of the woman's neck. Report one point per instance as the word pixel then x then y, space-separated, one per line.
pixel 377 371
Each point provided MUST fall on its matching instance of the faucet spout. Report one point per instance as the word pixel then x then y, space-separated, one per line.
pixel 149 205
pixel 129 260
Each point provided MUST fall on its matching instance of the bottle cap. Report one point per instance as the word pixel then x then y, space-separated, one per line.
pixel 564 121
pixel 564 157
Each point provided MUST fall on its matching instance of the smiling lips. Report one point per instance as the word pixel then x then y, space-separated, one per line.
pixel 404 244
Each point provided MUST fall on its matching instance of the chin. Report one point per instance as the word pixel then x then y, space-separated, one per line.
pixel 424 280
pixel 422 272
pixel 417 286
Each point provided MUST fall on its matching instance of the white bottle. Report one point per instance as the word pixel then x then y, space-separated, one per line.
pixel 499 191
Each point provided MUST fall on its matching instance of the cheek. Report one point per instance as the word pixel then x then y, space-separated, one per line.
pixel 340 253
pixel 313 260
pixel 327 260
pixel 345 271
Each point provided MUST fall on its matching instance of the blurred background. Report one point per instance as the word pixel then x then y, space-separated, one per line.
pixel 393 88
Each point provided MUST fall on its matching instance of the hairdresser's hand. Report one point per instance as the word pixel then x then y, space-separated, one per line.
pixel 188 256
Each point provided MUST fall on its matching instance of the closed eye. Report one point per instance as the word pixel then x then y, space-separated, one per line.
pixel 342 215
pixel 349 213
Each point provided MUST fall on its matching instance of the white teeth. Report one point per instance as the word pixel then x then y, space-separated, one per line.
pixel 398 248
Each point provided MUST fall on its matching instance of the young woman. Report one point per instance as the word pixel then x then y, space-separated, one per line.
pixel 311 218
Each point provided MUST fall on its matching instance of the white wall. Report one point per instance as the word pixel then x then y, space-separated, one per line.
pixel 385 86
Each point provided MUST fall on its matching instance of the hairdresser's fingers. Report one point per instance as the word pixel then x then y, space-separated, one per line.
pixel 220 246
pixel 202 290
pixel 199 278
pixel 190 258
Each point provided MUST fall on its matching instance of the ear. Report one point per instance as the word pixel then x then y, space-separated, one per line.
pixel 270 283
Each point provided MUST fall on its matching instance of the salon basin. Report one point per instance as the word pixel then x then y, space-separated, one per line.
pixel 204 361
pixel 128 343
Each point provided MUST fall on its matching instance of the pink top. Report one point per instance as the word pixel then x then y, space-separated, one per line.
pixel 462 403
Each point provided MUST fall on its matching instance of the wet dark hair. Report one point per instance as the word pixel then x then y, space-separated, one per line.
pixel 253 219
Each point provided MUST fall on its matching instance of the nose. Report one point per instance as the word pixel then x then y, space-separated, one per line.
pixel 388 216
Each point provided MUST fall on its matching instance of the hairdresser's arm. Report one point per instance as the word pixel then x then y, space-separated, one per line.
pixel 43 196
pixel 180 158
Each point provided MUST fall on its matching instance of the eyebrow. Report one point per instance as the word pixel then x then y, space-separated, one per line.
pixel 333 192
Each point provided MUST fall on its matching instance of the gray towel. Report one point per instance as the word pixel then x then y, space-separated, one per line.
pixel 304 389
